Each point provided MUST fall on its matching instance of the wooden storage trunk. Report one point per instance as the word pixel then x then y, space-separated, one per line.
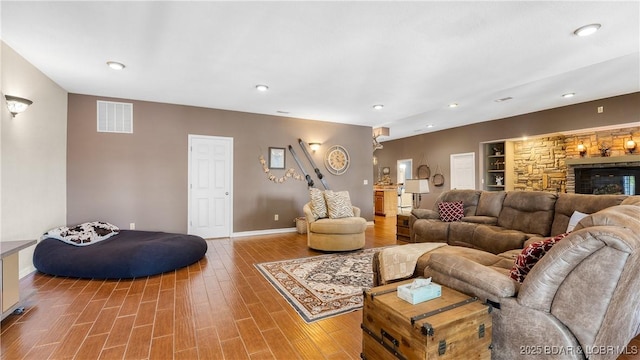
pixel 453 326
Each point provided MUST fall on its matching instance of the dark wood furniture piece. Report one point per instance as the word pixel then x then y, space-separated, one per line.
pixel 402 226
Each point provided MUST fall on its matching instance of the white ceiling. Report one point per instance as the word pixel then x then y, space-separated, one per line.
pixel 333 61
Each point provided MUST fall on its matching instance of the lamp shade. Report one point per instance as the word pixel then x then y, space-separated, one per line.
pixel 416 186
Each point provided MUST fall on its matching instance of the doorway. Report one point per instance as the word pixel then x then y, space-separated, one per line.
pixel 210 186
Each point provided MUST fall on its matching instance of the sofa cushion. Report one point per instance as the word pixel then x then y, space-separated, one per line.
pixel 490 203
pixel 318 204
pixel 430 231
pixel 469 199
pixel 585 203
pixel 531 255
pixel 481 257
pixel 451 211
pixel 338 204
pixel 460 233
pixel 496 239
pixel 528 211
pixel 348 225
pixel 487 220
pixel 631 200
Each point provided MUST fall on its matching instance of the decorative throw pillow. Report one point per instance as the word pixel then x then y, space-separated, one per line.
pixel 338 204
pixel 575 219
pixel 451 211
pixel 318 204
pixel 530 256
pixel 83 234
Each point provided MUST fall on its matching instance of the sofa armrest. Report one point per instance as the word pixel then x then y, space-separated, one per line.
pixel 470 277
pixel 356 211
pixel 308 214
pixel 425 214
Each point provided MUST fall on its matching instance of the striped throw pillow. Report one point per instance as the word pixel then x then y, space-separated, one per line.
pixel 318 205
pixel 338 204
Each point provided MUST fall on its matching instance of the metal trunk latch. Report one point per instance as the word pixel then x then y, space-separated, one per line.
pixel 442 347
pixel 481 331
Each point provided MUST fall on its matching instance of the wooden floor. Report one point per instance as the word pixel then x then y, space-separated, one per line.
pixel 218 308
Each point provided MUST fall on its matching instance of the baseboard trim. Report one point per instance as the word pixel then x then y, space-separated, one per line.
pixel 263 232
pixel 272 231
pixel 26 271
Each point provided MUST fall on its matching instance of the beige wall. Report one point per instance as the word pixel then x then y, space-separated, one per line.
pixel 33 160
pixel 435 148
pixel 142 177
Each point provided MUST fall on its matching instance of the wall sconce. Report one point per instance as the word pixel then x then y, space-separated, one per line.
pixel 630 145
pixel 582 149
pixel 16 104
pixel 314 146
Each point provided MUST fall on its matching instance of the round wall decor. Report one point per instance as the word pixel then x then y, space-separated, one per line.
pixel 337 160
pixel 424 172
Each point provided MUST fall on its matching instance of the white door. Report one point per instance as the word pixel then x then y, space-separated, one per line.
pixel 463 172
pixel 210 186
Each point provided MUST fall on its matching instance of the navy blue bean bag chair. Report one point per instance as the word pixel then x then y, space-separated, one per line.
pixel 129 254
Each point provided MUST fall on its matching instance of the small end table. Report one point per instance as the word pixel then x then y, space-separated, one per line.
pixel 402 227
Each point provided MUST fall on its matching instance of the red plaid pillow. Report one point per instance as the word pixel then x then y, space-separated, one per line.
pixel 451 211
pixel 530 256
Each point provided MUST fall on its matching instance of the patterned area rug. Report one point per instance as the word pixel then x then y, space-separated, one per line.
pixel 322 286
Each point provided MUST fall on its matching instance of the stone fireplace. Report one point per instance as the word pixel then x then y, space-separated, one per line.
pixel 604 175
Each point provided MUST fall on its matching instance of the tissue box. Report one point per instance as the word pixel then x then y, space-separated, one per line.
pixel 418 295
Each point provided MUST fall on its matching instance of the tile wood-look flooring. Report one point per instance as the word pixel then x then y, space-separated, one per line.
pixel 218 308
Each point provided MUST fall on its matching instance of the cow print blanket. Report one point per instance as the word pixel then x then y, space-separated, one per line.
pixel 83 234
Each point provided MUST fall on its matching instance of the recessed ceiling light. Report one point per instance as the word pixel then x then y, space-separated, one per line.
pixel 378 106
pixel 568 95
pixel 587 29
pixel 115 65
pixel 430 126
pixel 262 87
pixel 453 105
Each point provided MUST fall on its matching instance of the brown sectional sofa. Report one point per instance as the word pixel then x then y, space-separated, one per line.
pixel 500 221
pixel 581 300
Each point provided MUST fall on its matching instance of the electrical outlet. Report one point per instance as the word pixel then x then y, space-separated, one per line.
pixel 275 217
pixel 132 226
pixel 366 182
pixel 600 109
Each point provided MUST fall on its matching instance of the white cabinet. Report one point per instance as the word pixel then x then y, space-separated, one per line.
pixel 10 275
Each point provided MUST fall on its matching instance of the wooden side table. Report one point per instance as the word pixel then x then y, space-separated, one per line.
pixel 452 326
pixel 402 227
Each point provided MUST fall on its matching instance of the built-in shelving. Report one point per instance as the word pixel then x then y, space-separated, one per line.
pixel 495 178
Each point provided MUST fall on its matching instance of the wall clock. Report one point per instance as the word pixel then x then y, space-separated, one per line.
pixel 336 160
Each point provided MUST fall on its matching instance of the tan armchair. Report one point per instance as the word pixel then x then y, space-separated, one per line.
pixel 335 234
pixel 582 299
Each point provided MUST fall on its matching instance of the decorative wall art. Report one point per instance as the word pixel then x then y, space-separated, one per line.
pixel 289 174
pixel 276 158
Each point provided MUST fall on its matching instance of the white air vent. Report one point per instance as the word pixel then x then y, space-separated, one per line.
pixel 115 117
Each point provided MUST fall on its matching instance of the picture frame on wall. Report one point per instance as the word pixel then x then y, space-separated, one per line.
pixel 276 158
